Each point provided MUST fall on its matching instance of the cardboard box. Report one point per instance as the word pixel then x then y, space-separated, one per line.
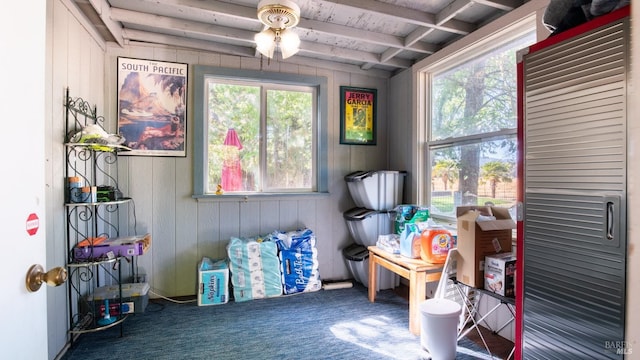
pixel 213 282
pixel 482 231
pixel 499 274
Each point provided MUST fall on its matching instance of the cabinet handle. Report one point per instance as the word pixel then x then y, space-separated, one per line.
pixel 610 220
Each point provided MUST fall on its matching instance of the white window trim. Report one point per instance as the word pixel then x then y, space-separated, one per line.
pixel 507 28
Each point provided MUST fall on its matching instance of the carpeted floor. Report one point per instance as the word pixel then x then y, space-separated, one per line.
pixel 326 324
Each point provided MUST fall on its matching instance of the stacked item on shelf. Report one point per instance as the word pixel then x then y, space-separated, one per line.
pixel 389 243
pixel 409 214
pixel 135 298
pixel 376 195
pixel 298 261
pixel 255 268
pixel 102 247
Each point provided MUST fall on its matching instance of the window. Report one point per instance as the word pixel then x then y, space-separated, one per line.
pixel 261 133
pixel 472 128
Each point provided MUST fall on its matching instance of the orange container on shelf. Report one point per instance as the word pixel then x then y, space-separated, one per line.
pixel 435 244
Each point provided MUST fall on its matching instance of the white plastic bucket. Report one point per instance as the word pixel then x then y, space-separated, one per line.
pixel 439 328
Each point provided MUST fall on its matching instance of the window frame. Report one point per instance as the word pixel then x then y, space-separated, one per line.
pixel 425 76
pixel 200 157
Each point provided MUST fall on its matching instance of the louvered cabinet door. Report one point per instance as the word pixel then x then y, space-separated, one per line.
pixel 574 246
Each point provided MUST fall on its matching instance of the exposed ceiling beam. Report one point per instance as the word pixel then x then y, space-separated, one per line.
pixel 99 13
pixel 426 22
pixel 447 14
pixel 452 10
pixel 234 25
pixel 178 41
pixel 136 37
pixel 410 40
pixel 505 5
pixel 247 13
pixel 204 11
pixel 359 35
pixel 354 55
pixel 413 16
pixel 201 31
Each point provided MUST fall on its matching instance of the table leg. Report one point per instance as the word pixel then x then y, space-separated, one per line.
pixel 373 276
pixel 417 294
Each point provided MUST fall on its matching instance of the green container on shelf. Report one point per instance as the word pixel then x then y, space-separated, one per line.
pixel 409 214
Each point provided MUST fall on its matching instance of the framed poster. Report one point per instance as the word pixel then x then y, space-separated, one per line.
pixel 357 116
pixel 152 111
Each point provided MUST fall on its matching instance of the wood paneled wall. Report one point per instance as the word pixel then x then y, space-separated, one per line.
pixel 75 59
pixel 184 229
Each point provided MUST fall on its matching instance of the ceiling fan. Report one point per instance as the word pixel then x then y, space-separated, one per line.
pixel 279 17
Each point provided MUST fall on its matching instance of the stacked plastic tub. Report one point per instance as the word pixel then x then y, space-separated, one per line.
pixel 375 194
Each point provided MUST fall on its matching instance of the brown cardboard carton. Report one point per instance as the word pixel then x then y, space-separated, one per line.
pixel 479 237
pixel 499 274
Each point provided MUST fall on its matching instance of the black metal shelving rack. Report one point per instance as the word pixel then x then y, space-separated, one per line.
pixel 92 163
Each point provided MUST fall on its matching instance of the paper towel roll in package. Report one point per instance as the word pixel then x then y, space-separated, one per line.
pixel 298 261
pixel 255 268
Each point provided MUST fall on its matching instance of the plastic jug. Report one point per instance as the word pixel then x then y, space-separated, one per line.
pixel 435 243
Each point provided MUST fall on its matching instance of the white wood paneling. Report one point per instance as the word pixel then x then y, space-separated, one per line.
pixel 184 230
pixel 270 215
pixel 74 60
pixel 399 129
pixel 229 221
pixel 141 216
pixel 208 232
pixel 165 242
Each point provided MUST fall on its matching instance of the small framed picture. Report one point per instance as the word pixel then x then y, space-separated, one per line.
pixel 357 116
pixel 152 109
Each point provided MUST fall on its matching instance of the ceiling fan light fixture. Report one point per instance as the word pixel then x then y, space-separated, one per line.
pixel 289 43
pixel 265 42
pixel 279 16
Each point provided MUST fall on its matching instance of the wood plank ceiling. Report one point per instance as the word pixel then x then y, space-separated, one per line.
pixel 382 36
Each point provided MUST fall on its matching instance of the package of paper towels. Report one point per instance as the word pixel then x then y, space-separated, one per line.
pixel 298 261
pixel 255 268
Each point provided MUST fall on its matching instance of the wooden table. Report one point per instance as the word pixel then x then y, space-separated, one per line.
pixel 417 271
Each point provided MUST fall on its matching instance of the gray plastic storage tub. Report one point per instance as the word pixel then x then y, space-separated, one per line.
pixel 357 258
pixel 365 225
pixel 376 190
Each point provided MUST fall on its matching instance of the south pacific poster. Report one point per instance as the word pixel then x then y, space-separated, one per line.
pixel 152 106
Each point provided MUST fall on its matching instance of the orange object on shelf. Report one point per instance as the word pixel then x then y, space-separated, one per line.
pixel 92 241
pixel 435 244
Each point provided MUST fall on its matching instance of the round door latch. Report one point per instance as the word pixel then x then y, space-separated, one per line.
pixel 36 276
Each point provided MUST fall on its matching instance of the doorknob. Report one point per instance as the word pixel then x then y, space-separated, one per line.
pixel 36 276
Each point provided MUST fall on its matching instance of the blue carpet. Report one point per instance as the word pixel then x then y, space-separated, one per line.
pixel 326 324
